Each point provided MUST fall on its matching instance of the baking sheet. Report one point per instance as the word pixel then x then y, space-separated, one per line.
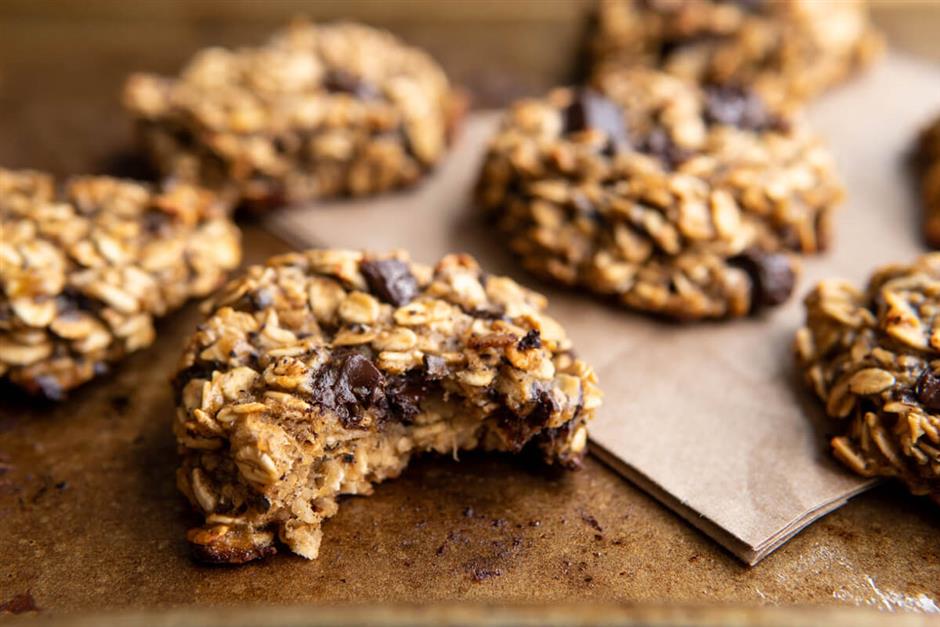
pixel 710 418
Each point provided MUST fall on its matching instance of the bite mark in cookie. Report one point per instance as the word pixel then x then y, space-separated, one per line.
pixel 346 367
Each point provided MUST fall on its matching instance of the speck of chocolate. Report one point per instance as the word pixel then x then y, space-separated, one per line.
pixel 927 389
pixel 391 280
pixel 532 339
pixel 590 109
pixel 592 522
pixel 771 274
pixel 345 82
pixel 740 107
pixel 482 573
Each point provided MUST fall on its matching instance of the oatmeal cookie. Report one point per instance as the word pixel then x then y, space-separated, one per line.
pixel 785 49
pixel 85 270
pixel 321 373
pixel 928 162
pixel 670 198
pixel 318 111
pixel 873 358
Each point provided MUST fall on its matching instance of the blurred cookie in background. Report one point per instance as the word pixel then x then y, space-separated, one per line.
pixel 788 50
pixel 685 201
pixel 318 111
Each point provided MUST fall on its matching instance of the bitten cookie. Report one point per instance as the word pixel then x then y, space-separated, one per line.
pixel 928 162
pixel 322 373
pixel 873 358
pixel 318 111
pixel 85 270
pixel 784 49
pixel 669 198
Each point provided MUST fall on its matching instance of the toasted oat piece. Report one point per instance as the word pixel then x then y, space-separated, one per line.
pixel 85 270
pixel 928 157
pixel 321 373
pixel 787 50
pixel 317 111
pixel 873 358
pixel 669 198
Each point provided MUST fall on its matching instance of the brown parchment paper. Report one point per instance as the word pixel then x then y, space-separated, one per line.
pixel 710 418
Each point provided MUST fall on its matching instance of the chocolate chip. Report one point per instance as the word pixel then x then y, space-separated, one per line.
pixel 927 389
pixel 347 385
pixel 737 106
pixel 772 276
pixel 361 374
pixel 391 280
pixel 590 109
pixel 157 222
pixel 659 144
pixel 344 82
pixel 404 394
pixel 434 366
pixel 532 339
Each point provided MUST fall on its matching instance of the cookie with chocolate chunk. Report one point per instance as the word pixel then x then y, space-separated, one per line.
pixel 321 373
pixel 787 50
pixel 872 357
pixel 86 268
pixel 318 111
pixel 670 198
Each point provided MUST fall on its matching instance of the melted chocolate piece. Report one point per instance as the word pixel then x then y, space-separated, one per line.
pixel 347 386
pixel 522 428
pixel 772 276
pixel 927 389
pixel 404 395
pixel 391 280
pixel 740 107
pixel 659 144
pixel 532 339
pixel 343 82
pixel 590 109
pixel 361 374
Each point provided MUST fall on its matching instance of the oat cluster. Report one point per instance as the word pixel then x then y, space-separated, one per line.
pixel 669 198
pixel 321 373
pixel 928 158
pixel 788 50
pixel 85 270
pixel 318 111
pixel 873 358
